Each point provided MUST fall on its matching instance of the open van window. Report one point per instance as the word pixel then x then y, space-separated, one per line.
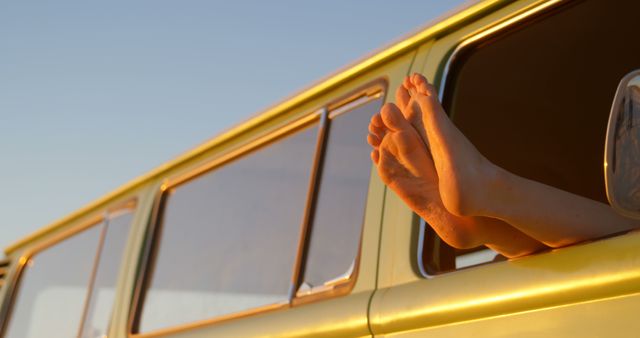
pixel 534 98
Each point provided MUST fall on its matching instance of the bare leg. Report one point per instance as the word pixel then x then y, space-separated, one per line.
pixel 405 165
pixel 470 185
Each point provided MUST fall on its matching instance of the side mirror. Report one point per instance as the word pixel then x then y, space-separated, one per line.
pixel 622 148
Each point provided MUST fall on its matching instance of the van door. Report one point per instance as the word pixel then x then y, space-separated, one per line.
pixel 531 86
pixel 279 235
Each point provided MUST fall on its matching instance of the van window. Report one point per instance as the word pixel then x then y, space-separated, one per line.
pixel 100 305
pixel 535 98
pixel 53 288
pixel 228 239
pixel 342 192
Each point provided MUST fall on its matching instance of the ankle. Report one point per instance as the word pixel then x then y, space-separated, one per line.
pixel 497 190
pixel 475 188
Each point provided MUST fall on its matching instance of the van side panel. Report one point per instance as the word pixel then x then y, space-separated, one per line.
pixel 345 315
pixel 557 290
pixel 587 290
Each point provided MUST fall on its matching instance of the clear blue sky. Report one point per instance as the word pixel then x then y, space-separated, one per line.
pixel 94 94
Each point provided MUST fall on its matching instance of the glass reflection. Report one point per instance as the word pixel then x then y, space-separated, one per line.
pixel 229 238
pixel 53 289
pixel 103 293
pixel 344 183
pixel 625 164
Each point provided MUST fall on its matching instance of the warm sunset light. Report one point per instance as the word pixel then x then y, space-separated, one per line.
pixel 320 169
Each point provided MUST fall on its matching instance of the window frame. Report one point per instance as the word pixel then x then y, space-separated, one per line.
pixel 151 243
pixel 444 74
pixel 129 206
pixel 322 116
pixel 342 285
pixel 95 220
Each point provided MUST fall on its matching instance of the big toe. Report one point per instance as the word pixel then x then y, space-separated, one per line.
pixel 375 156
pixel 377 127
pixel 402 97
pixel 428 104
pixel 422 85
pixel 393 118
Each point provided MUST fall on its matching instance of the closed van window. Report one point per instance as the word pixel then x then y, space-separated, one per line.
pixel 228 239
pixel 102 295
pixel 53 289
pixel 342 193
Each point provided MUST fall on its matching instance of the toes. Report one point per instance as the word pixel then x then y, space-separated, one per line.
pixel 376 121
pixel 402 97
pixel 407 82
pixel 375 156
pixel 422 85
pixel 393 118
pixel 376 130
pixel 373 140
pixel 377 127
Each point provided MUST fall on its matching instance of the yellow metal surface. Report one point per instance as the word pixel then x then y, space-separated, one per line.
pixel 589 290
pixel 399 220
pixel 127 281
pixel 338 317
pixel 320 318
pixel 332 82
pixel 543 283
pixel 612 317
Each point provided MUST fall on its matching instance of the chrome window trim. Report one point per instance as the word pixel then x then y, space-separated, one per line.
pixel 150 243
pixel 454 53
pixel 488 32
pixel 128 207
pixel 297 281
pixel 341 285
pixel 421 266
pixel 98 219
pixel 357 102
pixel 13 286
pixel 11 281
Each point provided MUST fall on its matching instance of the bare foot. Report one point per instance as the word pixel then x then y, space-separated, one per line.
pixel 404 165
pixel 465 175
pixel 401 157
pixel 410 108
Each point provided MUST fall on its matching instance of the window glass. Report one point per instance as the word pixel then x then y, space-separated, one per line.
pixel 543 114
pixel 228 239
pixel 342 193
pixel 53 289
pixel 103 293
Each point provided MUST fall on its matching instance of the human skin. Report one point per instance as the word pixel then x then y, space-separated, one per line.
pixel 405 165
pixel 469 201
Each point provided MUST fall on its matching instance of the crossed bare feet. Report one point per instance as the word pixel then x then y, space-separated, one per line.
pixel 405 164
pixel 427 161
pixel 434 168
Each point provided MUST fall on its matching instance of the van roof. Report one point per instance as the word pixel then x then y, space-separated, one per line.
pixel 440 26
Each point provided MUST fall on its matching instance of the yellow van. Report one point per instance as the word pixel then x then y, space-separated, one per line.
pixel 280 227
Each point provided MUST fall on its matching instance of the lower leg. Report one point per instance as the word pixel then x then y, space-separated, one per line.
pixel 471 185
pixel 404 164
pixel 553 216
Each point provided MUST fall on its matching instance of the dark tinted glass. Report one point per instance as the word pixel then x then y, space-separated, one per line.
pixel 342 194
pixel 103 292
pixel 536 99
pixel 229 238
pixel 53 289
